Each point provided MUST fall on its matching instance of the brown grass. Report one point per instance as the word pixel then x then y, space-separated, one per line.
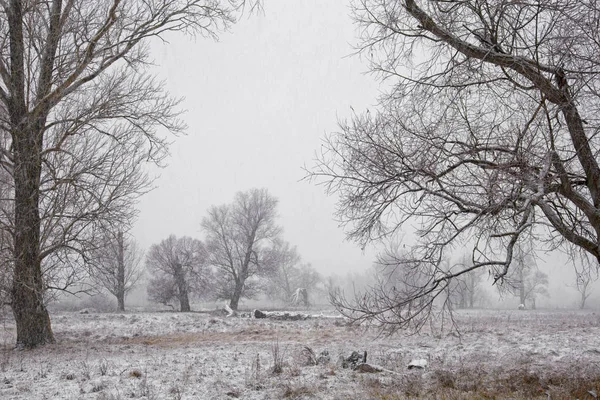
pixel 475 384
pixel 252 335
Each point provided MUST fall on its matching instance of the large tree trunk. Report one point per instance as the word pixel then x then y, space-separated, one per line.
pixel 31 315
pixel 120 292
pixel 184 300
pixel 237 294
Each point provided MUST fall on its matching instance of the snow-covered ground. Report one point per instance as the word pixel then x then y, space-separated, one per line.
pixel 168 355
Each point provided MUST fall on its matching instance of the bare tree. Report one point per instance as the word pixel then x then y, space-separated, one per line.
pixel 309 278
pixel 117 265
pixel 487 131
pixel 282 282
pixel 289 274
pixel 466 289
pixel 524 279
pixel 179 269
pixel 73 86
pixel 398 276
pixel 586 273
pixel 239 238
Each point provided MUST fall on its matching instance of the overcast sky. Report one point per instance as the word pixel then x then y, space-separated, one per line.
pixel 259 102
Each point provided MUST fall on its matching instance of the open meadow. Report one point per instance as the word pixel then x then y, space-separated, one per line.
pixel 168 355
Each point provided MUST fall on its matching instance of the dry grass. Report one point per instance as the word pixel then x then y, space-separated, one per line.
pixel 478 384
pixel 298 391
pixel 499 355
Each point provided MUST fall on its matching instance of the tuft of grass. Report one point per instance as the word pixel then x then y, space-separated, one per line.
pixel 135 373
pixel 103 367
pixel 299 391
pixel 69 376
pixel 309 356
pixel 278 357
pixel 254 378
pixel 98 387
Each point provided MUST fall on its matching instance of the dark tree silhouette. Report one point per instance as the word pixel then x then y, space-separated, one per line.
pixel 178 267
pixel 239 237
pixel 117 265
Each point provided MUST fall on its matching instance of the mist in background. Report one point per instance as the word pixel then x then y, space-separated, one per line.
pixel 259 102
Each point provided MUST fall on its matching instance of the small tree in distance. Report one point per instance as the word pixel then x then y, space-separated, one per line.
pixel 239 237
pixel 525 280
pixel 281 283
pixel 586 273
pixel 289 274
pixel 117 265
pixel 466 289
pixel 178 268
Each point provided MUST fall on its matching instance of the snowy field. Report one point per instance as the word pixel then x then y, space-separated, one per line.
pixel 167 355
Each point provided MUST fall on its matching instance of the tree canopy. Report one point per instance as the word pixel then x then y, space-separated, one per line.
pixel 80 115
pixel 487 136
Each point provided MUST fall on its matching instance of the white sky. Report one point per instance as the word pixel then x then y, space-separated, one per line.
pixel 259 103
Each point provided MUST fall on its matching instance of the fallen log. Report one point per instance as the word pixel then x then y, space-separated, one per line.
pixel 280 316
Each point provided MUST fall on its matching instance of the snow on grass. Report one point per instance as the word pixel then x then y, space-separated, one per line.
pixel 167 355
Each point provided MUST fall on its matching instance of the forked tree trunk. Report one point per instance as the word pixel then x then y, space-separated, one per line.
pixel 237 294
pixel 184 300
pixel 120 292
pixel 31 315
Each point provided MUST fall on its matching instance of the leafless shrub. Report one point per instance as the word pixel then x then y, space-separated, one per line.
pixel 69 376
pixel 178 389
pixel 298 391
pixel 379 389
pixel 98 386
pixel 103 367
pixel 278 357
pixel 108 396
pixel 445 378
pixel 254 378
pixel 85 369
pixel 308 356
pixel 146 389
pixel 413 385
pixel 44 369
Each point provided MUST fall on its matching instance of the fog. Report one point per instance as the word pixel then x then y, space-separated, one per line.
pixel 259 102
